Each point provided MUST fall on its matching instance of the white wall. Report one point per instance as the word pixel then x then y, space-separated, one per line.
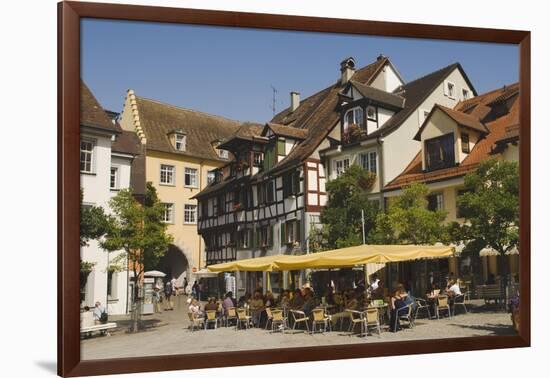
pixel 399 146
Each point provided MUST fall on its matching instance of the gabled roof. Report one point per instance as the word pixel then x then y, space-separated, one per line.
pixel 318 114
pixel 91 113
pixel 415 93
pixel 158 120
pixel 382 97
pixel 286 131
pixel 462 119
pixel 500 128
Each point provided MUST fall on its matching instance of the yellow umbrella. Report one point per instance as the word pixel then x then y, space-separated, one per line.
pixel 258 264
pixel 363 254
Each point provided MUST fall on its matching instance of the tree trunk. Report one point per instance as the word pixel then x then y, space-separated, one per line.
pixel 503 278
pixel 136 308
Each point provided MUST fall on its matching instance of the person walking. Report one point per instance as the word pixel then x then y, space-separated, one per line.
pixel 195 289
pixel 185 285
pixel 169 305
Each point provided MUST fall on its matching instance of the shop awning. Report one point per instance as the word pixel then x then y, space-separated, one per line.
pixel 337 258
pixel 364 254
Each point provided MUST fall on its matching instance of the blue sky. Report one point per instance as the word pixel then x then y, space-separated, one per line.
pixel 230 71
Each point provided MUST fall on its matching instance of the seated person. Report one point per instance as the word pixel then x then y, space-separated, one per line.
pixel 256 308
pixel 297 302
pixel 397 309
pixel 195 309
pixel 309 302
pixel 284 299
pixel 269 299
pixel 211 305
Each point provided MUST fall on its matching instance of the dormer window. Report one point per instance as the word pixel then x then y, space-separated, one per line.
pixel 465 142
pixel 179 141
pixel 465 93
pixel 439 152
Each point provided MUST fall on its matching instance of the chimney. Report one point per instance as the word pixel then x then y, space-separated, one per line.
pixel 347 69
pixel 380 57
pixel 294 101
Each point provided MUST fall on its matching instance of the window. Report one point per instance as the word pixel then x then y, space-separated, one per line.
pixel 168 215
pixel 440 152
pixel 167 173
pixel 290 232
pixel 260 188
pixel 189 213
pixel 353 116
pixel 86 156
pixel 291 183
pixel 180 142
pixel 265 236
pixel 435 202
pixel 371 113
pixel 204 208
pixel 465 93
pixel 191 177
pixel 244 238
pixel 257 158
pixel 111 284
pixel 210 177
pixel 340 166
pixel 220 204
pixel 369 161
pixel 465 142
pixel 450 89
pixel 114 178
pixel 223 154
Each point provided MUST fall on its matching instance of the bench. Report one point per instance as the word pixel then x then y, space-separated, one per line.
pixel 88 326
pixel 489 293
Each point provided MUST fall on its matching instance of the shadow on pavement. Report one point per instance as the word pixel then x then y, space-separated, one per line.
pixel 495 329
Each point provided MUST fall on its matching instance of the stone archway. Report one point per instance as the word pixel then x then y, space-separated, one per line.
pixel 175 263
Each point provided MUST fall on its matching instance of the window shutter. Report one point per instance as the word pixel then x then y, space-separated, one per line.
pixel 286 185
pixel 281 145
pixel 283 233
pixel 296 183
pixel 297 231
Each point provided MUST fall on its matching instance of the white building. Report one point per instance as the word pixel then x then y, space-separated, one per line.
pixel 106 158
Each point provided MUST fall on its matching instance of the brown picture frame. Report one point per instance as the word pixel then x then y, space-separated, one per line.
pixel 69 15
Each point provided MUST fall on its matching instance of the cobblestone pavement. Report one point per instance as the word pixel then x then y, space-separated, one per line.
pixel 167 333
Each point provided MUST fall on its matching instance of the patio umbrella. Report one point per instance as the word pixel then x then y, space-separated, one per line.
pixel 154 273
pixel 488 251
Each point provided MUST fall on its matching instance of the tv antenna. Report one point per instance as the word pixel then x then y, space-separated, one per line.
pixel 274 99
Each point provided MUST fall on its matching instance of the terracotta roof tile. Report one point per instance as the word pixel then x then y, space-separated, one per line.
pixel 288 131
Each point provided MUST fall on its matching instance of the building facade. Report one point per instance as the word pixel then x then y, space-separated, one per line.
pixel 453 141
pixel 180 159
pixel 107 157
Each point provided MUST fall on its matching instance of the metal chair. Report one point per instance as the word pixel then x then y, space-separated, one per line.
pixel 242 318
pixel 356 317
pixel 299 317
pixel 406 316
pixel 231 315
pixel 422 304
pixel 372 319
pixel 211 318
pixel 320 317
pixel 278 319
pixel 196 322
pixel 459 300
pixel 442 304
pixel 269 316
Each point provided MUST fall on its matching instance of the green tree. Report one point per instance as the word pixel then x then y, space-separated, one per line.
pixel 408 220
pixel 348 197
pixel 138 230
pixel 490 206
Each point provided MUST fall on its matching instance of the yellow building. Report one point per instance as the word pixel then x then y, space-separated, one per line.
pixel 180 159
pixel 453 143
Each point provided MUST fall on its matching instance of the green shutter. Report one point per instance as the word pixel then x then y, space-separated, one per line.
pixel 281 146
pixel 283 233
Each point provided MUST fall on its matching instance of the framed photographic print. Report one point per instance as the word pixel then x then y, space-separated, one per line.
pixel 265 188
